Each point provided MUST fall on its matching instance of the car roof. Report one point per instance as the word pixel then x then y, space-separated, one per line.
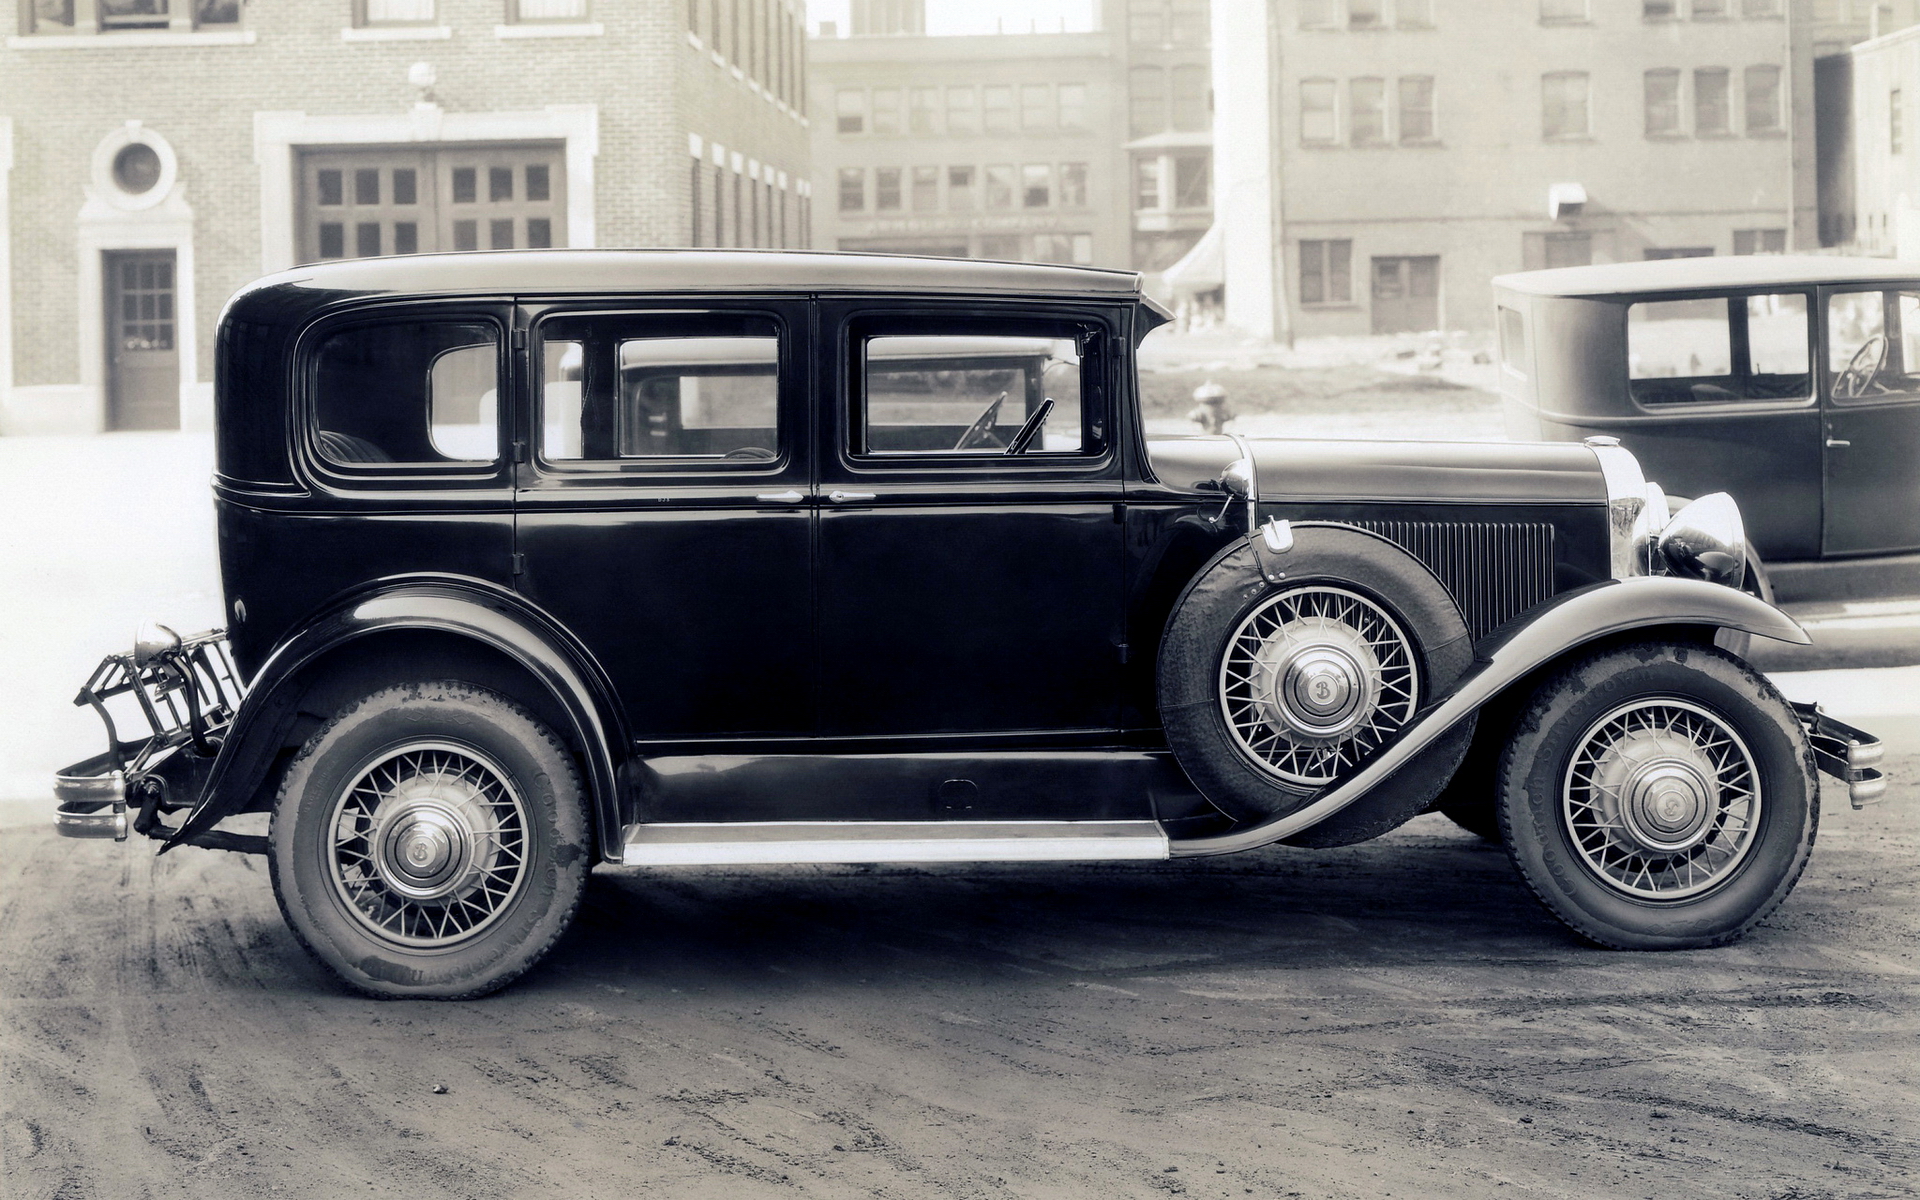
pixel 561 272
pixel 1699 274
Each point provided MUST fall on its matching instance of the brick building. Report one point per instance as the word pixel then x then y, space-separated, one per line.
pixel 1089 146
pixel 157 154
pixel 1382 160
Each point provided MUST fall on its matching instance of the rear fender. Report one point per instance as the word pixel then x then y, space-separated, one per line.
pixel 1551 632
pixel 488 617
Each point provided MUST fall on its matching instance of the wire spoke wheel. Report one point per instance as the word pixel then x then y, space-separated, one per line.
pixel 1662 799
pixel 428 844
pixel 1313 680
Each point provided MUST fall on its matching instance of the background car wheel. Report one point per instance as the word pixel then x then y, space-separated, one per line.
pixel 1659 796
pixel 431 841
pixel 1269 692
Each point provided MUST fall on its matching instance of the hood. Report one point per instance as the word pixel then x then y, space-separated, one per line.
pixel 1330 470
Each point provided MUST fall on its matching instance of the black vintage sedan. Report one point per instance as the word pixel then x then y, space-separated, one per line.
pixel 546 560
pixel 1791 383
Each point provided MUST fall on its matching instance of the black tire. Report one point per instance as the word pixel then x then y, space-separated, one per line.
pixel 432 841
pixel 1470 799
pixel 1582 847
pixel 1229 592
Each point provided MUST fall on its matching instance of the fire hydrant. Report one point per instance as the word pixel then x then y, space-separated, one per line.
pixel 1210 410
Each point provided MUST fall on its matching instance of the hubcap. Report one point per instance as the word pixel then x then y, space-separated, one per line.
pixel 429 844
pixel 1662 799
pixel 1313 680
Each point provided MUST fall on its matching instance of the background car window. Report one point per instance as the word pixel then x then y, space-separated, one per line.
pixel 1777 335
pixel 1679 339
pixel 1873 344
pixel 608 394
pixel 970 395
pixel 1513 341
pixel 408 392
pixel 1683 351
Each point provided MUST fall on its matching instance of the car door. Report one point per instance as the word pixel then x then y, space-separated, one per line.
pixel 1872 411
pixel 663 512
pixel 963 589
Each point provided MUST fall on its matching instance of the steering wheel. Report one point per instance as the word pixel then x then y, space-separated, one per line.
pixel 1859 373
pixel 981 431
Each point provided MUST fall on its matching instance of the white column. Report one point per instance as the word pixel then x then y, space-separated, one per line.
pixel 6 271
pixel 1246 157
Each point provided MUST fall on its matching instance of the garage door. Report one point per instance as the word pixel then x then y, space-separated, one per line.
pixel 359 203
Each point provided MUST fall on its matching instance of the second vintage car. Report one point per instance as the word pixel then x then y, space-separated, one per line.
pixel 544 560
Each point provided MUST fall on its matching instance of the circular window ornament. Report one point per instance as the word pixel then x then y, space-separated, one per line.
pixel 134 167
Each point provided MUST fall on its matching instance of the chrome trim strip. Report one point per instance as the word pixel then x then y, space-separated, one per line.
pixel 725 844
pixel 1245 448
pixel 1626 507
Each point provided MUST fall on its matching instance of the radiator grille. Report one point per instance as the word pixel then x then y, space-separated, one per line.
pixel 1495 570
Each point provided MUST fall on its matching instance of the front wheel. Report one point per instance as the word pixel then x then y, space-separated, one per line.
pixel 431 842
pixel 1659 796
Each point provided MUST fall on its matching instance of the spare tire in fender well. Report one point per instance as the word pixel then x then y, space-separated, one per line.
pixel 1355 617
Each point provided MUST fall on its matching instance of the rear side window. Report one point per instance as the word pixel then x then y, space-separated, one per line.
pixel 1719 349
pixel 1513 341
pixel 409 392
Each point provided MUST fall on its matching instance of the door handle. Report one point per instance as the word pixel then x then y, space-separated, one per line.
pixel 789 496
pixel 840 497
pixel 1834 442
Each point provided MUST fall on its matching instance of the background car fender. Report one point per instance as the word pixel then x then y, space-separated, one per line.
pixel 1555 629
pixel 461 608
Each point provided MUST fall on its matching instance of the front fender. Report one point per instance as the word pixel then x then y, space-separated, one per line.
pixel 486 616
pixel 1560 626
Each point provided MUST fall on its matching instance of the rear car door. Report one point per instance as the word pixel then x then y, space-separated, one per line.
pixel 663 514
pixel 964 590
pixel 1872 398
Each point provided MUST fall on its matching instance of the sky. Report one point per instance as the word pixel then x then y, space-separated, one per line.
pixel 979 16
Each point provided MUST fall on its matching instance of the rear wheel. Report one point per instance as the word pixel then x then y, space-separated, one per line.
pixel 1659 796
pixel 431 841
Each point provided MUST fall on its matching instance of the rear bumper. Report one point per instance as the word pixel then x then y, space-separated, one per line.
pixel 1846 753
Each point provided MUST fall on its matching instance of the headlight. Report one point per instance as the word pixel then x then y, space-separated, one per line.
pixel 1707 540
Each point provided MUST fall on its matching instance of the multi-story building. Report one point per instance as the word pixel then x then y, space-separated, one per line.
pixel 1091 146
pixel 1885 121
pixel 1381 160
pixel 157 154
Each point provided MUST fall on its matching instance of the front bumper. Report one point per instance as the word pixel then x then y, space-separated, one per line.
pixel 1845 753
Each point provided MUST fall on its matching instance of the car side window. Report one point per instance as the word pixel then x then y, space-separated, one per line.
pixel 633 388
pixel 408 392
pixel 1873 344
pixel 1719 349
pixel 972 395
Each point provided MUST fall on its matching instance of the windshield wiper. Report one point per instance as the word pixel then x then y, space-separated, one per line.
pixel 1020 440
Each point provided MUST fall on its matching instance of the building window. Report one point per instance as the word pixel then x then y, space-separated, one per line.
pixel 693 206
pixel 853 189
pixel 1416 109
pixel 850 107
pixel 1146 101
pixel 999 179
pixel 1896 123
pixel 1367 116
pixel 1763 99
pixel 1660 10
pixel 1319 14
pixel 960 188
pixel 1036 108
pixel 998 109
pixel 1319 122
pixel 369 12
pixel 886 189
pixel 1073 107
pixel 1073 185
pixel 1192 180
pixel 1326 272
pixel 1563 12
pixel 1146 184
pixel 1190 108
pixel 923 111
pixel 532 11
pixel 1189 25
pixel 886 112
pixel 366 202
pixel 1663 103
pixel 1709 10
pixel 963 116
pixel 1760 8
pixel 1366 14
pixel 1759 241
pixel 1036 185
pixel 1565 111
pixel 1712 112
pixel 926 189
pixel 1147 22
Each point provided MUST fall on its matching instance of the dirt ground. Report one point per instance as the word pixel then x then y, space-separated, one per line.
pixel 1392 1019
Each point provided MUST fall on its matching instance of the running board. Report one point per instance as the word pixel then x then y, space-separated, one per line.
pixel 705 845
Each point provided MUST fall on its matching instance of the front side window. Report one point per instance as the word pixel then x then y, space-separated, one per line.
pixel 1719 349
pixel 416 392
pixel 671 387
pixel 1873 344
pixel 973 395
pixel 1565 112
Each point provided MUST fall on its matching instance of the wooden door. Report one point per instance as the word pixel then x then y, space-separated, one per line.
pixel 143 361
pixel 1406 294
